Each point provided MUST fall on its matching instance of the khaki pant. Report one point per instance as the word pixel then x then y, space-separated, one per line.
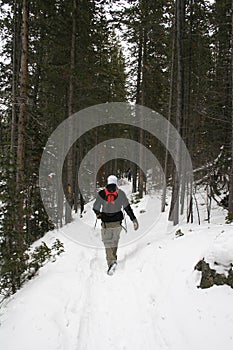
pixel 110 233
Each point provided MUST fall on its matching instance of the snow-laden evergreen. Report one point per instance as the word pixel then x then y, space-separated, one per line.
pixel 151 302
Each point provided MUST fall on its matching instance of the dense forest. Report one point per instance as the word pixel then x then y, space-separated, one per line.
pixel 59 57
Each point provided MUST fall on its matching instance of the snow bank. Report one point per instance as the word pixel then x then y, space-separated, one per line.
pixel 220 254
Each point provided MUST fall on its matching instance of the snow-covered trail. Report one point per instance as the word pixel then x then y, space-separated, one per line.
pixel 151 302
pixel 73 304
pixel 116 312
pixel 80 307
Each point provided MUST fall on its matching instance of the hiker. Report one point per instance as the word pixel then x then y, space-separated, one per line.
pixel 129 174
pixel 108 208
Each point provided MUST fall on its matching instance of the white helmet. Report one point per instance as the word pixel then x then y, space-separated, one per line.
pixel 112 179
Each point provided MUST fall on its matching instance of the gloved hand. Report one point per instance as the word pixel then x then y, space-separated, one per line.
pixel 135 224
pixel 98 216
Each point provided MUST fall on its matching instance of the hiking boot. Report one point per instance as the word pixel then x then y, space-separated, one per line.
pixel 112 268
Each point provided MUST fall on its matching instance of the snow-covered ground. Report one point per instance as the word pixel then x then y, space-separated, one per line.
pixel 151 302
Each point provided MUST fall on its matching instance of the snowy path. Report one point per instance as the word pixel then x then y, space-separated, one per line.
pixel 151 302
pixel 88 310
pixel 115 314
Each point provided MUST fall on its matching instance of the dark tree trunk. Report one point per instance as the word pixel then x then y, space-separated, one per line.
pixel 70 156
pixel 163 201
pixel 22 119
pixel 174 210
pixel 230 205
pixel 139 100
pixel 15 76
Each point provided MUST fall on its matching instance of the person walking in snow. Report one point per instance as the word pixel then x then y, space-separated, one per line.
pixel 108 207
pixel 129 174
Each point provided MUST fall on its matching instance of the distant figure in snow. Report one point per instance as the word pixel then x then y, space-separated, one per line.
pixel 129 174
pixel 108 207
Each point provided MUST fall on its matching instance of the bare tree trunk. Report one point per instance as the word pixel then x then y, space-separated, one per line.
pixel 185 188
pixel 230 205
pixel 14 85
pixel 22 119
pixel 140 100
pixel 70 156
pixel 134 182
pixel 78 198
pixel 76 190
pixel 208 202
pixel 163 201
pixel 142 177
pixel 174 210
